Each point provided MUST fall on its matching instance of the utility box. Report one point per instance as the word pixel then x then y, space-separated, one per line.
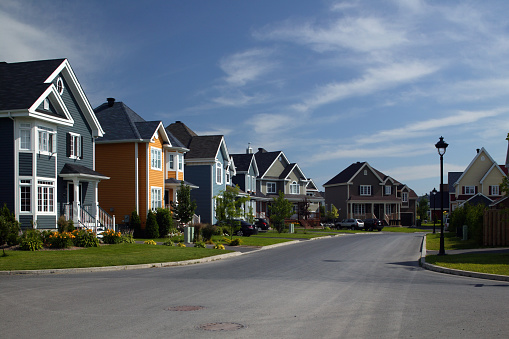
pixel 291 228
pixel 188 234
pixel 465 232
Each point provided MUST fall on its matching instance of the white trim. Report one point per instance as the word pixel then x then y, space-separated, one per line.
pixel 159 152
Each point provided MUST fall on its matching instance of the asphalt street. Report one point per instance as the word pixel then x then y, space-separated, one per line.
pixel 355 286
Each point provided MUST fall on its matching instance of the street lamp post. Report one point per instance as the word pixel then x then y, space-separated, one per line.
pixel 441 146
pixel 434 193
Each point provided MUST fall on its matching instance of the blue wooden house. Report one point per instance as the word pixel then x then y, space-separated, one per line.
pixel 47 131
pixel 207 165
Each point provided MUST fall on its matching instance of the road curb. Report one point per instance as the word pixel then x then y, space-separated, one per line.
pixel 453 271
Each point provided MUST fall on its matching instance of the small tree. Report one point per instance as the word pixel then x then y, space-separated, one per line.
pixel 280 209
pixel 333 214
pixel 136 225
pixel 152 228
pixel 304 208
pixel 229 207
pixel 9 227
pixel 183 209
pixel 165 221
pixel 422 208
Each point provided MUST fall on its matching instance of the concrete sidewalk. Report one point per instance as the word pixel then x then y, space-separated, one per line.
pixel 440 269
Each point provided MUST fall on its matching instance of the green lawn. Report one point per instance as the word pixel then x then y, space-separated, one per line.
pixel 108 255
pixel 451 242
pixel 492 263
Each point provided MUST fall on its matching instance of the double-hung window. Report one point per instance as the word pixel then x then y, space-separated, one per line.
pixel 219 173
pixel 388 190
pixel 404 196
pixel 25 194
pixel 470 190
pixel 171 161
pixel 156 198
pixel 25 143
pixel 495 190
pixel 359 209
pixel 271 187
pixel 365 189
pixel 47 139
pixel 155 158
pixel 75 146
pixel 45 196
pixel 181 161
pixel 294 188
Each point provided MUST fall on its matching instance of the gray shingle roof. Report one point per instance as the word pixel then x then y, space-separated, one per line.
pixel 22 83
pixel 265 159
pixel 122 123
pixel 204 146
pixel 79 169
pixel 180 131
pixel 242 161
pixel 346 174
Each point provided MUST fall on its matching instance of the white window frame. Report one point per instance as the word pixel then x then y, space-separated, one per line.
pixel 359 209
pixel 294 188
pixel 365 190
pixel 388 209
pixel 60 86
pixel 25 184
pixel 219 173
pixel 271 187
pixel 180 159
pixel 75 145
pixel 171 161
pixel 46 139
pixel 388 190
pixel 495 190
pixel 156 198
pixel 46 196
pixel 45 104
pixel 469 190
pixel 156 158
pixel 227 175
pixel 404 196
pixel 25 137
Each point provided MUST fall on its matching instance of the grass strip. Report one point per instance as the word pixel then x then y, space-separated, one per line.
pixel 451 242
pixel 492 263
pixel 108 255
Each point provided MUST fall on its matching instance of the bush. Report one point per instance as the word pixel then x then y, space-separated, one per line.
pixel 85 238
pixel 30 240
pixel 9 227
pixel 61 240
pixel 136 224
pixel 219 247
pixel 236 242
pixel 127 237
pixel 169 242
pixel 165 221
pixel 152 228
pixel 181 244
pixel 111 237
pixel 208 231
pixel 200 244
pixel 65 225
pixel 472 216
pixel 150 242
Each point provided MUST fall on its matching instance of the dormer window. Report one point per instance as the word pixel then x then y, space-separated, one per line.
pixel 388 190
pixel 294 188
pixel 60 86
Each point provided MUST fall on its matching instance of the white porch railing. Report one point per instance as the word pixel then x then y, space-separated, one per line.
pixel 88 221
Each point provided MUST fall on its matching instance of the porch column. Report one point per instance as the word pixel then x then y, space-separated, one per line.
pixel 95 205
pixel 76 203
pixel 372 210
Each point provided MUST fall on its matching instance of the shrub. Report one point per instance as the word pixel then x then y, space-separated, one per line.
pixel 208 231
pixel 197 232
pixel 236 242
pixel 30 240
pixel 200 244
pixel 85 238
pixel 169 242
pixel 65 225
pixel 165 221
pixel 226 241
pixel 150 242
pixel 152 228
pixel 136 224
pixel 61 240
pixel 181 244
pixel 219 247
pixel 127 237
pixel 111 237
pixel 9 227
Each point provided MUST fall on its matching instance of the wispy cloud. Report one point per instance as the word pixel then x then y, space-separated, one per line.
pixel 420 172
pixel 375 79
pixel 243 67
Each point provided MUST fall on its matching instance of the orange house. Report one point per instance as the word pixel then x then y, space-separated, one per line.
pixel 144 165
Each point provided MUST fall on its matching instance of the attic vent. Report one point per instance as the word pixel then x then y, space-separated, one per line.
pixel 60 86
pixel 111 101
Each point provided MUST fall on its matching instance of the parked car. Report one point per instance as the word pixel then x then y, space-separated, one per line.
pixel 262 224
pixel 353 224
pixel 246 229
pixel 372 224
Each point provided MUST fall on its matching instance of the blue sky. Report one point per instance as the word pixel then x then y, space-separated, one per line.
pixel 327 82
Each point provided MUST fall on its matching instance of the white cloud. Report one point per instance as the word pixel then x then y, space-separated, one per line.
pixel 374 80
pixel 241 68
pixel 419 172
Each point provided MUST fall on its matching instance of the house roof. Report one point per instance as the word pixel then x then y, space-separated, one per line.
pixel 478 154
pixel 242 161
pixel 183 133
pixel 452 177
pixel 25 85
pixel 121 123
pixel 73 170
pixel 22 83
pixel 265 159
pixel 345 175
pixel 173 181
pixel 477 199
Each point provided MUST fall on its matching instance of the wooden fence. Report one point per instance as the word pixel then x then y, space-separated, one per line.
pixel 496 228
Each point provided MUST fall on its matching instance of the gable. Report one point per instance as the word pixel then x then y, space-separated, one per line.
pixel 476 170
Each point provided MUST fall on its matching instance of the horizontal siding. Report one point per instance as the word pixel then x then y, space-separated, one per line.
pixel 7 168
pixel 45 166
pixel 26 221
pixel 26 164
pixel 201 176
pixel 46 222
pixel 118 193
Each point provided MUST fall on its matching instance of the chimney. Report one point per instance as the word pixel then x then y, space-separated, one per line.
pixel 111 101
pixel 178 122
pixel 262 150
pixel 478 151
pixel 249 150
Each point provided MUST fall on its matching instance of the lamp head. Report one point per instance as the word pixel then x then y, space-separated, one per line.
pixel 441 146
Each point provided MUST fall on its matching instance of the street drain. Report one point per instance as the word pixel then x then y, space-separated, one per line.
pixel 185 308
pixel 221 327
